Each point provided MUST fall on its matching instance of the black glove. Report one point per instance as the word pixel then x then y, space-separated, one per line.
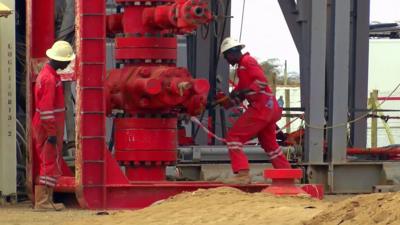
pixel 52 140
pixel 239 94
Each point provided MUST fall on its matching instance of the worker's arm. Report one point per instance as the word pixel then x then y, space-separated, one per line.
pixel 258 81
pixel 45 105
pixel 228 101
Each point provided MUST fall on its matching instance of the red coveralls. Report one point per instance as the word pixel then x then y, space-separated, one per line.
pixel 258 120
pixel 48 121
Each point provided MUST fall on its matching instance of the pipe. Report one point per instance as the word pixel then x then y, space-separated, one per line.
pixel 374 151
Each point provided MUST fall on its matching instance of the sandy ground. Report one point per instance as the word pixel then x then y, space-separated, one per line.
pixel 22 214
pixel 225 205
pixel 380 209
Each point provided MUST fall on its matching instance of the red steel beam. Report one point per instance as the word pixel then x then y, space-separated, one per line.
pixel 39 37
pixel 90 43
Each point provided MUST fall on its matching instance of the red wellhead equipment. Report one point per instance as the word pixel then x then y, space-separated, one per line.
pixel 150 84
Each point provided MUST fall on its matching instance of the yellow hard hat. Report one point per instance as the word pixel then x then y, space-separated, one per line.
pixel 61 51
pixel 229 43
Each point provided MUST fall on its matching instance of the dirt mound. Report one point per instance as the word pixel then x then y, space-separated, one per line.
pixel 217 206
pixel 362 210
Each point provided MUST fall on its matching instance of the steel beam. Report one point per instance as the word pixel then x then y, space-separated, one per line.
pixel 304 7
pixel 289 10
pixel 219 154
pixel 307 23
pixel 359 70
pixel 342 178
pixel 201 65
pixel 337 136
pixel 314 106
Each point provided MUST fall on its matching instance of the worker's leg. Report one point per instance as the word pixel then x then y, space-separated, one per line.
pixel 245 128
pixel 49 172
pixel 267 138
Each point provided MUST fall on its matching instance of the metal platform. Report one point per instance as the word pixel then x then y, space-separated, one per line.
pixel 345 177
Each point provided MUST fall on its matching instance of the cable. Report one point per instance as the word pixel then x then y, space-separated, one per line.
pixel 350 121
pixel 21 126
pixel 204 30
pixel 286 125
pixel 241 22
pixel 224 15
pixel 196 121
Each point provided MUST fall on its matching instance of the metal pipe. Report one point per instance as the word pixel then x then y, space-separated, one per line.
pixel 374 151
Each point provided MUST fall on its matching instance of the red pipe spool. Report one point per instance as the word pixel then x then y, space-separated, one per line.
pixel 145 146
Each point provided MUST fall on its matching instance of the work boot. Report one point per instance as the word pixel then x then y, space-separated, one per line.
pixel 57 206
pixel 242 177
pixel 43 201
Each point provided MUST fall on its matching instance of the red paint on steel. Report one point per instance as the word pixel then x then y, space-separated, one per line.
pixel 145 173
pixel 65 184
pixel 130 89
pixel 133 23
pixel 283 181
pixel 114 23
pixel 140 195
pixel 42 24
pixel 314 190
pixel 145 53
pixel 145 146
pixel 283 174
pixel 182 17
pixel 389 98
pixel 90 111
pixel 146 42
pixel 388 150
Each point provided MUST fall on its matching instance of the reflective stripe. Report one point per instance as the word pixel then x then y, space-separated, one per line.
pixel 48 178
pixel 260 92
pixel 58 84
pixel 47 117
pixel 59 110
pixel 260 83
pixel 273 154
pixel 50 111
pixel 276 155
pixel 274 151
pixel 235 147
pixel 50 181
pixel 266 93
pixel 234 143
pixel 46 112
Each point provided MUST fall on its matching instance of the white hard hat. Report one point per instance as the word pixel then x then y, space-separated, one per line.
pixel 229 43
pixel 61 51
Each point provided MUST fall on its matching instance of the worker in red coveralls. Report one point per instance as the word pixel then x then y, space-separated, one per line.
pixel 48 124
pixel 260 117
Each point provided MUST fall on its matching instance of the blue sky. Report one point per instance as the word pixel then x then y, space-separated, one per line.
pixel 266 35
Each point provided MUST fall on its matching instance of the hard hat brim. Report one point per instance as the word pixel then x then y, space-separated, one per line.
pixel 241 45
pixel 50 53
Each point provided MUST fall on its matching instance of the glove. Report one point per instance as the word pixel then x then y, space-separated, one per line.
pixel 239 95
pixel 52 140
pixel 222 99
